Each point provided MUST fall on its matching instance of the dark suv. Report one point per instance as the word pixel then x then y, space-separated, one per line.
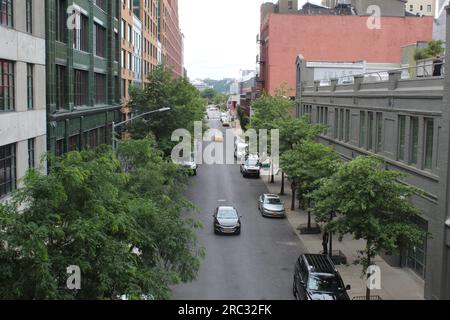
pixel 316 278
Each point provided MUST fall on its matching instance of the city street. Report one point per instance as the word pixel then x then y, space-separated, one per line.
pixel 259 263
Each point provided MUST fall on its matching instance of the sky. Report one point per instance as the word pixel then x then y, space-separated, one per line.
pixel 220 36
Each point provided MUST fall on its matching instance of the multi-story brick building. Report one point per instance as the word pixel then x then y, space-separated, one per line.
pixel 83 72
pixel 127 50
pixel 147 12
pixel 286 33
pixel 171 37
pixel 406 122
pixel 22 91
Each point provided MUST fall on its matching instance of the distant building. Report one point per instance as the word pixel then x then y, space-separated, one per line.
pixel 389 8
pixel 200 85
pixel 325 71
pixel 421 7
pixel 171 37
pixel 295 32
pixel 440 21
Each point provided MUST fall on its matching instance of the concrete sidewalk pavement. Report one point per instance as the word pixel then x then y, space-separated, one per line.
pixel 396 283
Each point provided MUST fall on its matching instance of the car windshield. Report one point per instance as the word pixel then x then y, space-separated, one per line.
pixel 273 201
pixel 251 162
pixel 325 283
pixel 227 214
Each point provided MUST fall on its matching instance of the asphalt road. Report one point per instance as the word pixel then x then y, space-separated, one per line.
pixel 258 264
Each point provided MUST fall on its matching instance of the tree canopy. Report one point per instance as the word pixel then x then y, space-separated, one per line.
pixel 120 221
pixel 370 203
pixel 164 91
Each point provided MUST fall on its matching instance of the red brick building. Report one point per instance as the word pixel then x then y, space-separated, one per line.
pixel 317 37
pixel 172 37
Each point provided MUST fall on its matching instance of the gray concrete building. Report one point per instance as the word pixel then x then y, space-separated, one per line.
pixel 408 123
pixel 440 20
pixel 22 91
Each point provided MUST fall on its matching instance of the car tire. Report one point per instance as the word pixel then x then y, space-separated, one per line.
pixel 239 232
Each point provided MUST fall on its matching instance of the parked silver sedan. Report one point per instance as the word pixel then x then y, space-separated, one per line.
pixel 270 205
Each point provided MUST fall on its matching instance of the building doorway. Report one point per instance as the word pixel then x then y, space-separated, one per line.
pixel 417 255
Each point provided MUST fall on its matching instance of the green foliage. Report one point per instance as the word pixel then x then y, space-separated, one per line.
pixel 209 94
pixel 164 91
pixel 371 204
pixel 243 118
pixel 433 49
pixel 92 210
pixel 308 163
pixel 269 111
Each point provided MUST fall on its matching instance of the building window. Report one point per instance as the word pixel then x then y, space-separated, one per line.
pixel 30 90
pixel 61 21
pixel 7 100
pixel 341 124
pixel 401 137
pixel 379 132
pixel 100 40
pixel 6 13
pixel 81 88
pixel 429 8
pixel 101 4
pixel 370 131
pixel 347 125
pixel 80 33
pixel 74 143
pixel 290 5
pixel 91 139
pixel 336 123
pixel 414 139
pixel 60 147
pixel 61 83
pixel 124 89
pixel 429 140
pixel 29 15
pixel 362 129
pixel 7 169
pixel 100 88
pixel 31 153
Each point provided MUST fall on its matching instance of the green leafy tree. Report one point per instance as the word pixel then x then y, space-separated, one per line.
pixel 433 49
pixel 293 132
pixel 371 204
pixel 209 94
pixel 306 165
pixel 275 112
pixel 164 91
pixel 119 221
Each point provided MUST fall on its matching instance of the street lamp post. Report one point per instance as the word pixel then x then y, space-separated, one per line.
pixel 116 125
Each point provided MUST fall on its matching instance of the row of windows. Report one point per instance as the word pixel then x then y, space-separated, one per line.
pixel 92 138
pixel 7 14
pixel 81 30
pixel 81 87
pixel 8 160
pixel 371 130
pixel 7 86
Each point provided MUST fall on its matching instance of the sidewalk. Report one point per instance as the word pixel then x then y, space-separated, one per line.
pixel 396 283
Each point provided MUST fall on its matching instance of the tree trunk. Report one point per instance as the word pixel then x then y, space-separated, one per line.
pixel 369 263
pixel 293 200
pixel 309 215
pixel 282 184
pixel 331 245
